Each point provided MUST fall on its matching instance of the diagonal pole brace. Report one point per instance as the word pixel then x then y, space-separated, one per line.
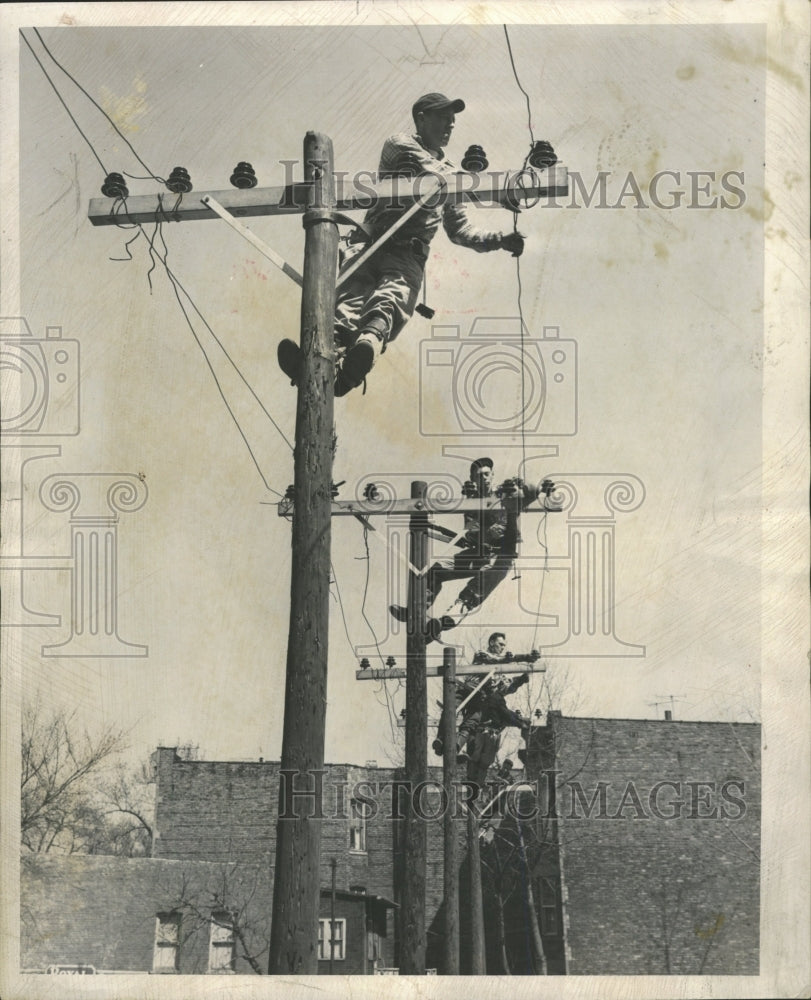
pixel 253 239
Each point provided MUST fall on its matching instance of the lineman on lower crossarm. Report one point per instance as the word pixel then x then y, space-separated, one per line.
pixel 486 712
pixel 489 546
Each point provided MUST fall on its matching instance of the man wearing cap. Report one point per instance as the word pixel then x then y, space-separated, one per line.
pixel 489 545
pixel 483 705
pixel 376 302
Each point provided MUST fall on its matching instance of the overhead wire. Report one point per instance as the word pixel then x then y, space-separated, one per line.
pixel 389 703
pixel 154 254
pixel 93 101
pixel 177 284
pixel 518 259
pixel 62 102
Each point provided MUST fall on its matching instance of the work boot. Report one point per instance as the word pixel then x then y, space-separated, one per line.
pixel 438 747
pixel 357 365
pixel 361 356
pixel 398 612
pixel 434 627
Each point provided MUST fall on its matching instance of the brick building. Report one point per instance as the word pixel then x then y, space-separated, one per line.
pixel 106 915
pixel 648 834
pixel 633 848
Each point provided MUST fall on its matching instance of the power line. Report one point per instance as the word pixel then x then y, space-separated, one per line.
pixel 64 105
pixel 526 95
pixel 100 108
pixel 175 285
pixel 152 251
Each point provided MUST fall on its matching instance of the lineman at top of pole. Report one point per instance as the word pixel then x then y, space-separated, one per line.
pixel 377 300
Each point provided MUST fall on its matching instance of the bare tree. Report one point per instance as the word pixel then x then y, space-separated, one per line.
pixel 236 898
pixel 129 801
pixel 60 766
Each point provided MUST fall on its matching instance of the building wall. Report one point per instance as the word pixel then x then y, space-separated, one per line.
pixel 228 811
pixel 676 892
pixel 101 911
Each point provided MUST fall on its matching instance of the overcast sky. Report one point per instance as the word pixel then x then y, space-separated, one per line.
pixel 665 307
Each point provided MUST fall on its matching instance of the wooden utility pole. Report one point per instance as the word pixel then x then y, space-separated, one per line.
pixel 477 963
pixel 412 947
pixel 451 847
pixel 294 928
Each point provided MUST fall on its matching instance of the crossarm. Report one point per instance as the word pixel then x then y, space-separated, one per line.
pixel 492 188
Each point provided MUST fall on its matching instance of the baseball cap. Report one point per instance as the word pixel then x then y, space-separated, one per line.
pixel 437 102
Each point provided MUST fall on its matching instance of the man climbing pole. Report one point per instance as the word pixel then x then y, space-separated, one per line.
pixel 485 713
pixel 375 303
pixel 488 547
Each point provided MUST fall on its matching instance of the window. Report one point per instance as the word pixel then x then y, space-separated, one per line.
pixel 167 943
pixel 338 940
pixel 357 826
pixel 222 947
pixel 549 909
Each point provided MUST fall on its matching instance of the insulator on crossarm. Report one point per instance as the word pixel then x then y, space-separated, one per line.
pixel 114 186
pixel 179 181
pixel 542 155
pixel 244 176
pixel 475 160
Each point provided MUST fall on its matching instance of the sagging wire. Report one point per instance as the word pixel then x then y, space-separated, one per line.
pixel 518 259
pixel 176 284
pixel 341 606
pixel 389 702
pixel 526 95
pixel 62 102
pixel 94 102
pixel 544 572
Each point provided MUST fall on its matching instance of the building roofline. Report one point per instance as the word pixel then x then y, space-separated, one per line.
pixel 663 722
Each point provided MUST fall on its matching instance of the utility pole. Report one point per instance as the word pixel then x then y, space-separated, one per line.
pixel 294 928
pixel 477 963
pixel 412 960
pixel 451 847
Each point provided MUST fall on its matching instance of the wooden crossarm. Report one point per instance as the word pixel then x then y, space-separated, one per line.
pixel 435 670
pixel 492 188
pixel 353 508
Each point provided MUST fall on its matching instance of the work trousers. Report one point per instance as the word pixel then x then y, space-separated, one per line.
pixel 385 287
pixel 484 573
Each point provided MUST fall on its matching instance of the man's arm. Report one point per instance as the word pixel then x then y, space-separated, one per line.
pixel 460 230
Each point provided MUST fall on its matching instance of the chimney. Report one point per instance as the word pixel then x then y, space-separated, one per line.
pixel 668 715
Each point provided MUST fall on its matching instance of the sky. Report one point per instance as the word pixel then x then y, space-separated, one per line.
pixel 662 306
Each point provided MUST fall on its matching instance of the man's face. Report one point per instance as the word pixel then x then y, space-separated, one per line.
pixel 485 479
pixel 498 645
pixel 435 127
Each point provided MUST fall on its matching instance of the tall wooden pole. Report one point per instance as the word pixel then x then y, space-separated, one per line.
pixel 477 962
pixel 294 928
pixel 413 938
pixel 451 845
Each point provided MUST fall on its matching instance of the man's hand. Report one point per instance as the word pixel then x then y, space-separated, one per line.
pixel 513 243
